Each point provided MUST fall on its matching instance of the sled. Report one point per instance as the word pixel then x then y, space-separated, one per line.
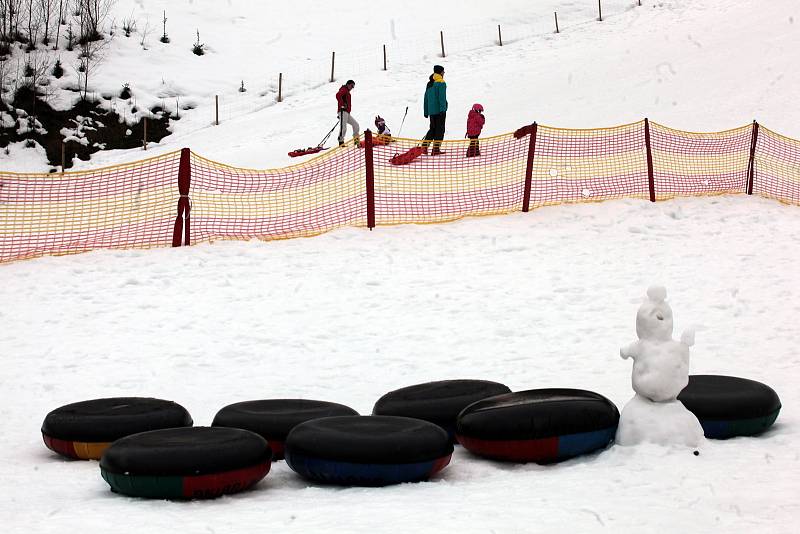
pixel 305 151
pixel 407 157
pixel 313 149
pixel 381 140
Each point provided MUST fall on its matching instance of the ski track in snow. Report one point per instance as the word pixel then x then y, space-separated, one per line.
pixel 543 299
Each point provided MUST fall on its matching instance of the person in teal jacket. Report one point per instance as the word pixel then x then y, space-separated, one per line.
pixel 435 108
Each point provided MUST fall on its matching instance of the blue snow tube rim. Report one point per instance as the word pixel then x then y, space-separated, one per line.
pixel 729 406
pixel 363 474
pixel 538 425
pixel 370 450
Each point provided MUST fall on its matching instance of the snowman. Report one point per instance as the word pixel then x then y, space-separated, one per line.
pixel 660 372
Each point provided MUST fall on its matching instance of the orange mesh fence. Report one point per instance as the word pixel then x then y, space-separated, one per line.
pixel 303 200
pixel 451 184
pixel 584 165
pixel 687 163
pixel 777 167
pixel 135 205
pixel 125 206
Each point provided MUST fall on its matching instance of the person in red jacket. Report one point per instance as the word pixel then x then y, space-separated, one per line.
pixel 475 122
pixel 345 106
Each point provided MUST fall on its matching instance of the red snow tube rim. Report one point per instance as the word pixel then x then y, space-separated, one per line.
pixel 206 486
pixel 538 425
pixel 225 483
pixel 543 450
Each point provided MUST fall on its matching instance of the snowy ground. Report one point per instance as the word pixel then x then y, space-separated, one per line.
pixel 534 300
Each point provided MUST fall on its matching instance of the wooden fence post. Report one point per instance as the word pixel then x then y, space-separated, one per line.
pixel 441 37
pixel 600 10
pixel 63 154
pixel 555 13
pixel 384 57
pixel 145 132
pixel 181 227
pixel 280 87
pixel 333 63
pixel 751 165
pixel 526 197
pixel 216 109
pixel 500 35
pixel 650 180
pixel 368 160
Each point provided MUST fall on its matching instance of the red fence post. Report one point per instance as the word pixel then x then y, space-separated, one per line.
pixel 184 180
pixel 370 179
pixel 526 197
pixel 650 181
pixel 752 163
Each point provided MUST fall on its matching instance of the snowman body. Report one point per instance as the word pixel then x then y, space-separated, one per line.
pixel 660 369
pixel 660 372
pixel 663 423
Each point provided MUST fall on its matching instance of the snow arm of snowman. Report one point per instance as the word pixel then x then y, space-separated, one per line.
pixel 630 351
pixel 687 338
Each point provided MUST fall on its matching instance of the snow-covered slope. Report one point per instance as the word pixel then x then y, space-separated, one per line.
pixel 542 299
pixel 699 65
pixel 533 300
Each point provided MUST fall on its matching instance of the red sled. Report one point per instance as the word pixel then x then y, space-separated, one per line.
pixel 305 151
pixel 407 157
pixel 381 140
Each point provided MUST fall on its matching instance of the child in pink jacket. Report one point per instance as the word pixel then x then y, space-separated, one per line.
pixel 475 122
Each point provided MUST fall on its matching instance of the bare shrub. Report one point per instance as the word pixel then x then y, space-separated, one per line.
pixel 129 25
pixel 91 56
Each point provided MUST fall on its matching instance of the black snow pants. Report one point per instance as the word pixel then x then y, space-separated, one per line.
pixel 436 131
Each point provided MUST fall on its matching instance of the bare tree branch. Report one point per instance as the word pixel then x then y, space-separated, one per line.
pixel 46 8
pixel 36 67
pixel 59 22
pixel 89 60
pixel 92 15
pixel 145 32
pixel 32 9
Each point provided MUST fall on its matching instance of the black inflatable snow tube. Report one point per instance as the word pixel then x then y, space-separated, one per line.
pixel 539 425
pixel 186 463
pixel 728 406
pixel 84 429
pixel 367 451
pixel 273 419
pixel 437 402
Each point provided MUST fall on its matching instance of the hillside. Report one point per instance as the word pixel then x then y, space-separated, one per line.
pixel 537 299
pixel 695 65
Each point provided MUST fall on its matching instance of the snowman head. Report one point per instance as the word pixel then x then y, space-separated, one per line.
pixel 654 318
